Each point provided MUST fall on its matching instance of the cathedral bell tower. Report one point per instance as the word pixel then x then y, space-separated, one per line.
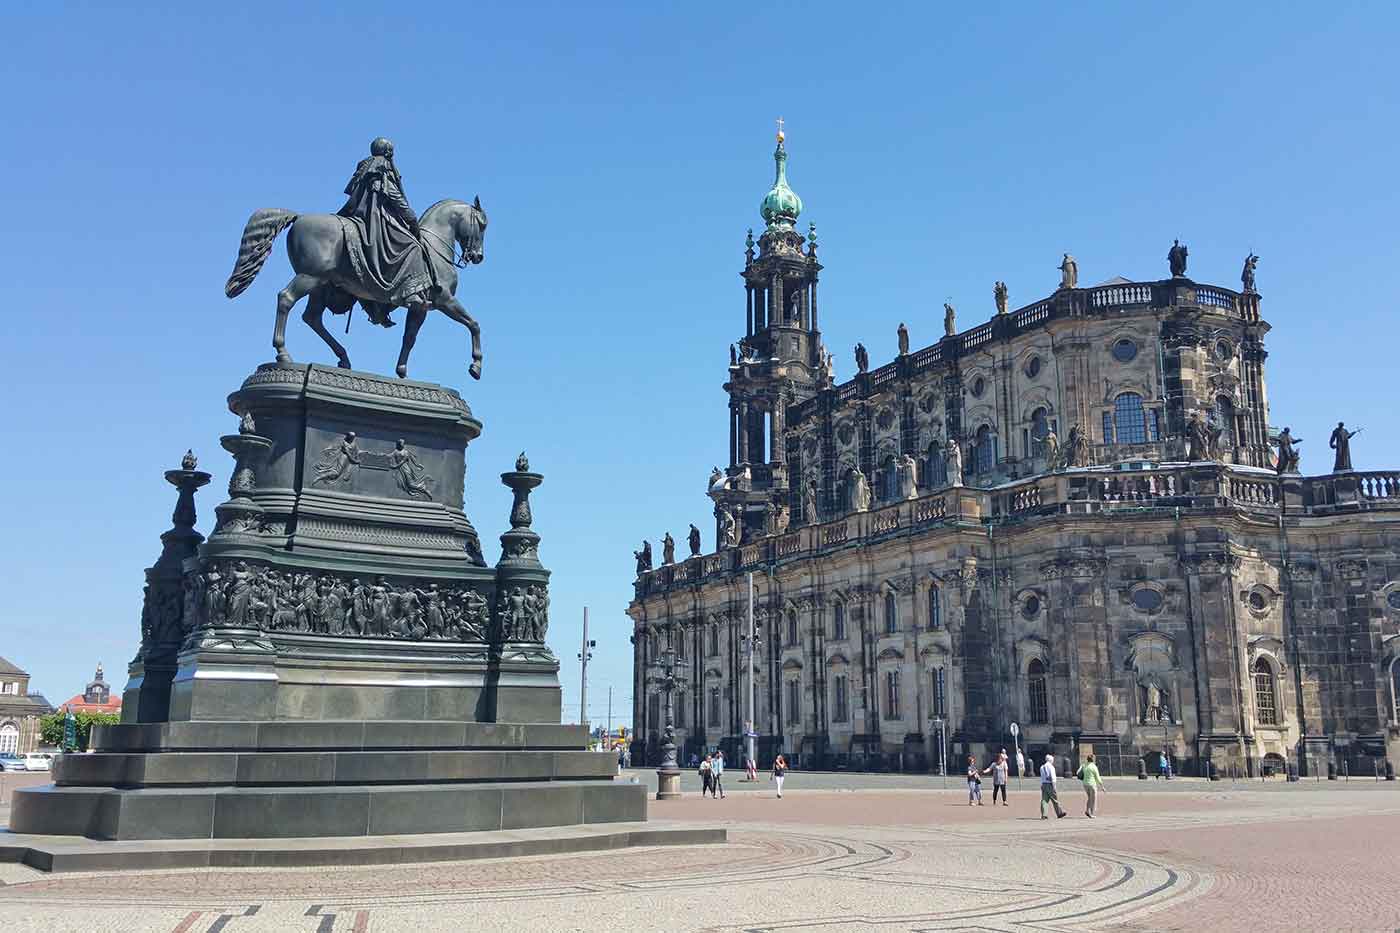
pixel 780 361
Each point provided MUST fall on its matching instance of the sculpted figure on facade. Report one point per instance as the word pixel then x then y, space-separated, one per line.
pixel 1247 274
pixel 728 531
pixel 1051 445
pixel 858 490
pixel 693 539
pixel 953 460
pixel 862 358
pixel 1176 259
pixel 950 320
pixel 1340 441
pixel 1288 453
pixel 1200 439
pixel 409 474
pixel 668 549
pixel 1069 272
pixel 908 477
pixel 999 294
pixel 643 558
pixel 903 335
pixel 339 461
pixel 810 510
pixel 1077 451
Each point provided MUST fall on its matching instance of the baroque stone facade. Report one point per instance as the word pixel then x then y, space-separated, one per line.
pixel 1094 544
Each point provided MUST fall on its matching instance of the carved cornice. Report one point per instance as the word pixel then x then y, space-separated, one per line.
pixel 1211 562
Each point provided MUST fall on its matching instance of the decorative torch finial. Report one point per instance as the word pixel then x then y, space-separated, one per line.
pixel 781 135
pixel 522 463
pixel 189 461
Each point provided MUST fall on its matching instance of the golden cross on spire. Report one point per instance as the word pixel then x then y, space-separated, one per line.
pixel 781 136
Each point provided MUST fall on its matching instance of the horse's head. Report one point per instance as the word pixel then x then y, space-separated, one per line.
pixel 471 232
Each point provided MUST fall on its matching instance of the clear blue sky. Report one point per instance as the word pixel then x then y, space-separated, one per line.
pixel 622 152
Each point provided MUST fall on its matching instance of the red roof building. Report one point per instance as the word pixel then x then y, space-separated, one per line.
pixel 97 698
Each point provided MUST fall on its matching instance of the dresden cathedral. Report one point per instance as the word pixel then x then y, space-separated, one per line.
pixel 1068 528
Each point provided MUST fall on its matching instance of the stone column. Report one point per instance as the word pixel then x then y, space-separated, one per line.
pixel 743 431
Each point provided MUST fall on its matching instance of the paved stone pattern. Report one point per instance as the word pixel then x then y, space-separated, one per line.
pixel 1202 856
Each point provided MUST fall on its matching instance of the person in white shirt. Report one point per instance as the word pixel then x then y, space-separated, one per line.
pixel 1047 789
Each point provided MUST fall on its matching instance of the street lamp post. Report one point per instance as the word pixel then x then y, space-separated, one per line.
pixel 750 647
pixel 942 748
pixel 667 680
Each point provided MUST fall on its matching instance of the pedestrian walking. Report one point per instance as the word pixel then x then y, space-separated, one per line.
pixel 779 772
pixel 1048 793
pixel 620 760
pixel 1020 765
pixel 998 770
pixel 627 755
pixel 974 783
pixel 707 778
pixel 717 773
pixel 1089 774
pixel 1164 766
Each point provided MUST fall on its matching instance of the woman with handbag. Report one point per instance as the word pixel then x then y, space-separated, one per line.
pixel 779 772
pixel 974 782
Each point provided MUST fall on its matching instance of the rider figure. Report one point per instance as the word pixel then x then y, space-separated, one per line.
pixel 394 256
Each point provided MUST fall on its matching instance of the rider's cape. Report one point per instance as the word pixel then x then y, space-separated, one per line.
pixel 387 261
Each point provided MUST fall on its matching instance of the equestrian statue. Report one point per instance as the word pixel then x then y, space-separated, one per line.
pixel 374 251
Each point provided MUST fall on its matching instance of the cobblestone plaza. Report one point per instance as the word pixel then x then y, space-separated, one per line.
pixel 838 852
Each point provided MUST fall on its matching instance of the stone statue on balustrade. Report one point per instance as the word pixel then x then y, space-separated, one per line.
pixel 950 320
pixel 728 529
pixel 1000 293
pixel 828 367
pixel 1077 450
pixel 1176 259
pixel 668 549
pixel 903 334
pixel 1069 272
pixel 1340 441
pixel 862 358
pixel 857 490
pixel 908 477
pixel 1288 453
pixel 810 510
pixel 1247 274
pixel 693 539
pixel 643 558
pixel 1202 439
pixel 953 461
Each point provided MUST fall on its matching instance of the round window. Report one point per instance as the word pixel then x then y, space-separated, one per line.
pixel 1393 599
pixel 1031 607
pixel 1258 601
pixel 979 385
pixel 1125 351
pixel 1033 367
pixel 1223 350
pixel 1148 600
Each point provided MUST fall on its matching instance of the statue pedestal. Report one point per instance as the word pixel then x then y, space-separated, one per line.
pixel 668 784
pixel 343 660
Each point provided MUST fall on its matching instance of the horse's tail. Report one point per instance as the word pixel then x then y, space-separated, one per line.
pixel 258 236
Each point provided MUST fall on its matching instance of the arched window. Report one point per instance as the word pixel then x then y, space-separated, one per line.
pixel 984 450
pixel 838 622
pixel 9 739
pixel 1223 416
pixel 935 611
pixel 792 627
pixel 1129 419
pixel 1265 704
pixel 1040 426
pixel 889 478
pixel 935 470
pixel 1038 711
pixel 891 614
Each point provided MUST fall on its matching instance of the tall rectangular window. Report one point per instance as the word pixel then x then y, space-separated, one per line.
pixel 935 611
pixel 714 717
pixel 940 705
pixel 792 628
pixel 794 704
pixel 1265 708
pixel 1038 693
pixel 838 625
pixel 714 640
pixel 892 694
pixel 1107 428
pixel 840 701
pixel 654 713
pixel 891 614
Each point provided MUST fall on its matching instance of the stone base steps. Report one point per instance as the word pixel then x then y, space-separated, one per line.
pixel 231 812
pixel 65 854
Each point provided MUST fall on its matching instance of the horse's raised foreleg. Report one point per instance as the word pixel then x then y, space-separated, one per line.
pixel 299 287
pixel 416 314
pixel 314 318
pixel 454 309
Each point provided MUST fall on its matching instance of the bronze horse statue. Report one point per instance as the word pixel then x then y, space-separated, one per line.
pixel 325 276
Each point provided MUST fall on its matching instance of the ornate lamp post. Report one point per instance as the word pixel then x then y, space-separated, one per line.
pixel 668 681
pixel 748 647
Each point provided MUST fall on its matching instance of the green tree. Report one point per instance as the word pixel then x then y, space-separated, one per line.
pixel 51 727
